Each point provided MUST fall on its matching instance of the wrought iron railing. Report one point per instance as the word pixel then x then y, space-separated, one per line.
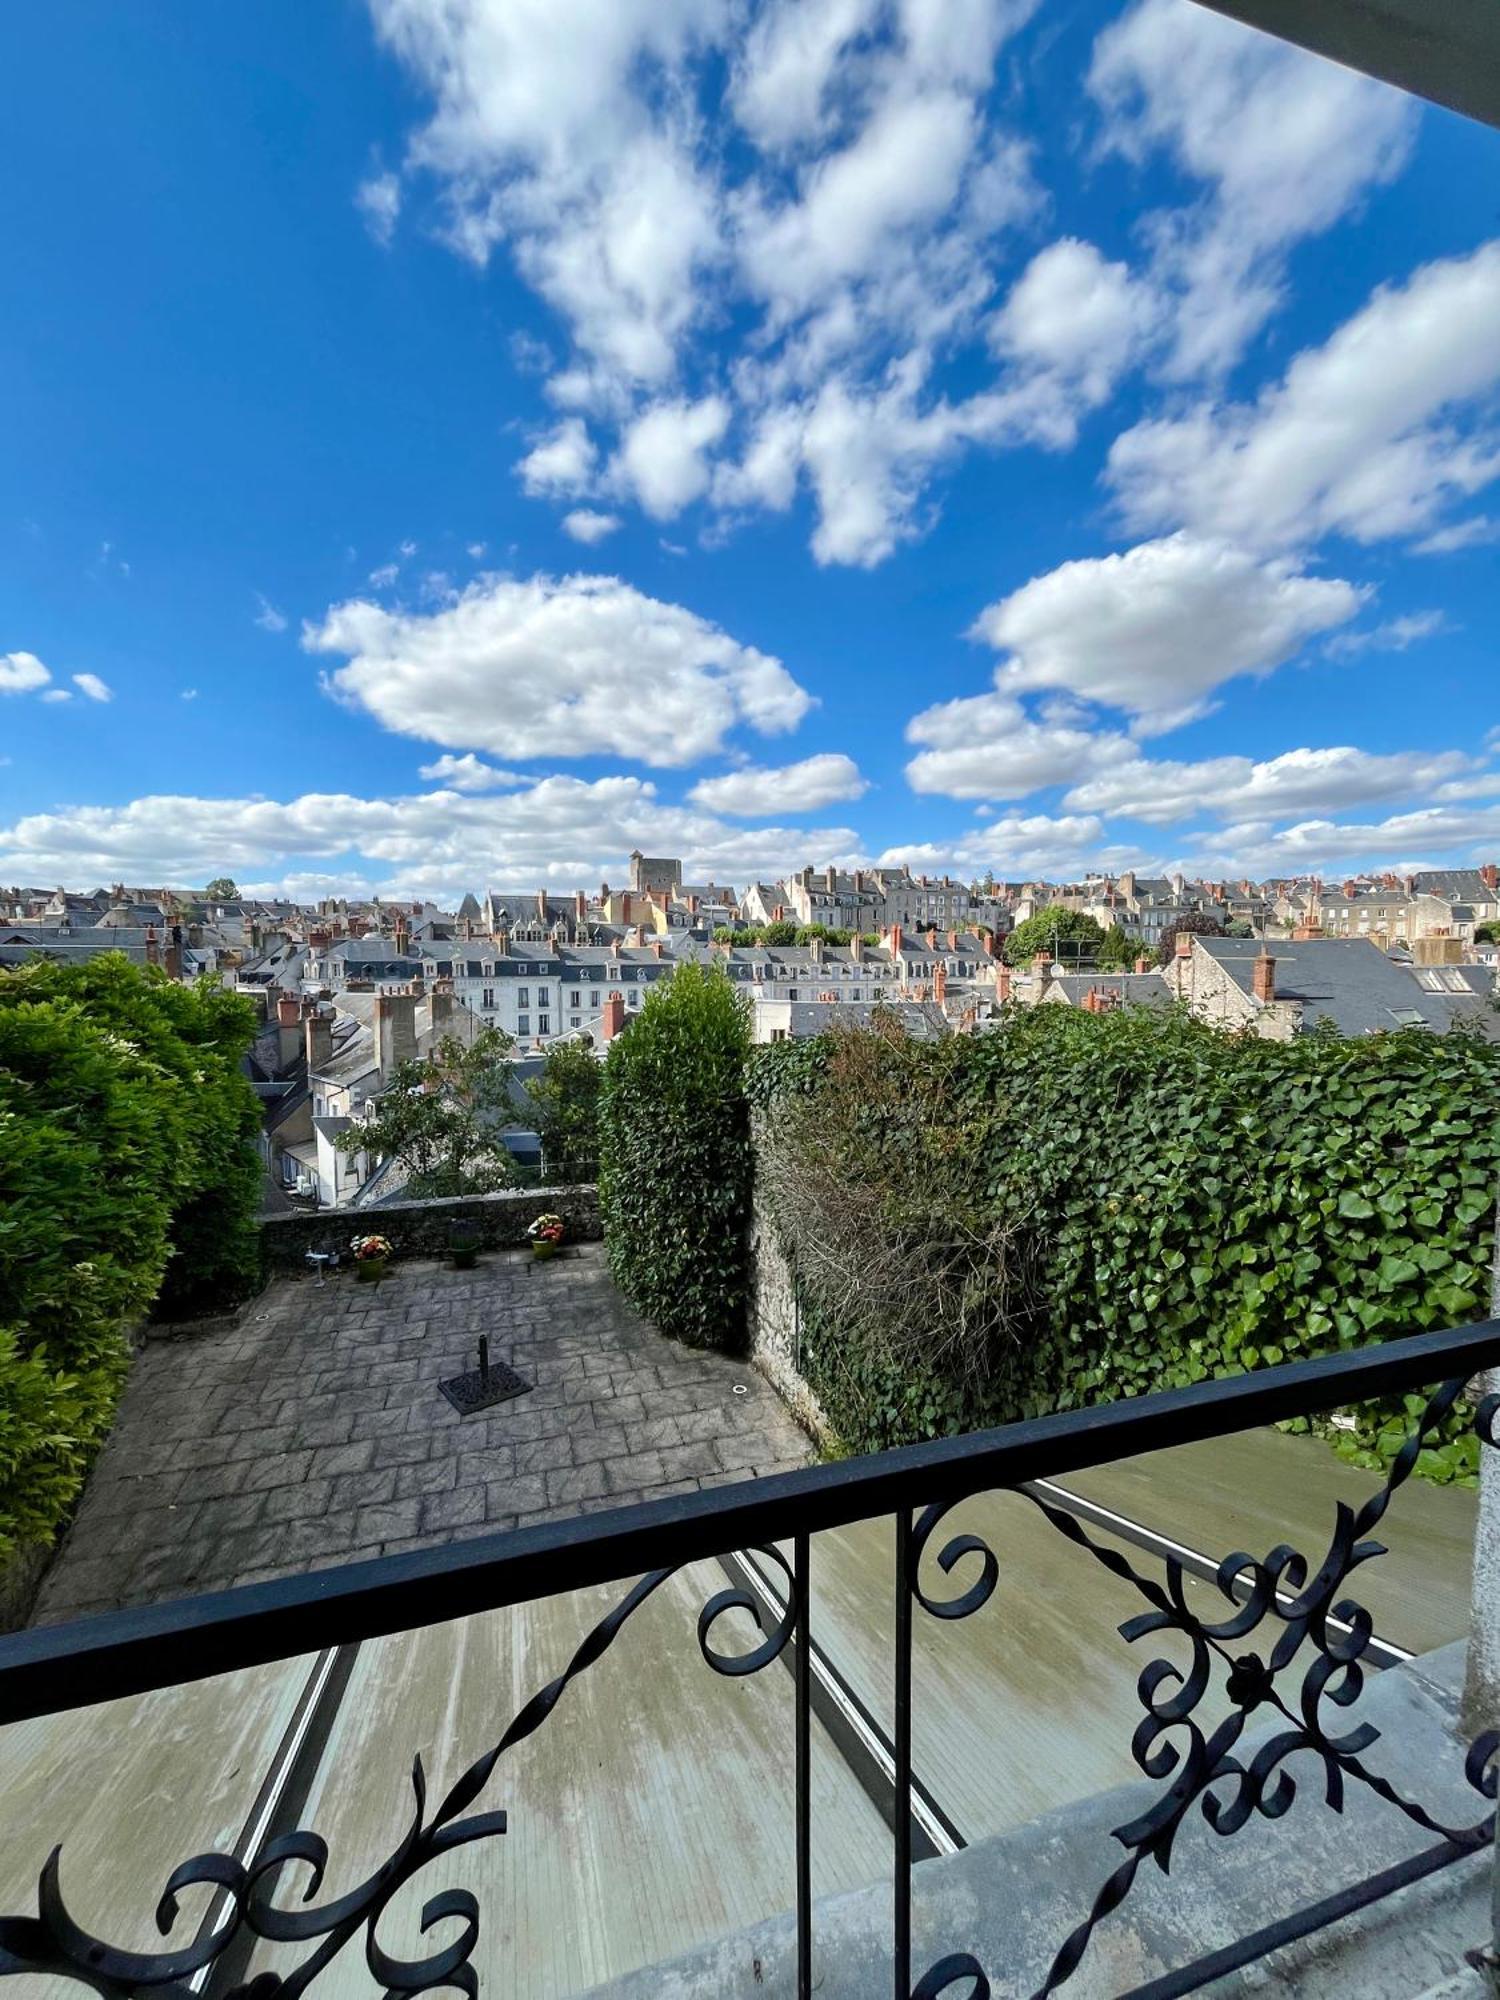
pixel 1316 1645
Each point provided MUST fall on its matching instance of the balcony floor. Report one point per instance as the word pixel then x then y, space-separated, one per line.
pixel 313 1431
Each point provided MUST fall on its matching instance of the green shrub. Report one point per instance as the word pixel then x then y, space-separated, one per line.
pixel 674 1159
pixel 565 1104
pixel 1197 1203
pixel 125 1134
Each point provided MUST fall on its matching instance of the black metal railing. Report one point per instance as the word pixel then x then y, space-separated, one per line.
pixel 1316 1637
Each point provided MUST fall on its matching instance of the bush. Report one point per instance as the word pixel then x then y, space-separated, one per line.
pixel 674 1159
pixel 1196 1203
pixel 123 1143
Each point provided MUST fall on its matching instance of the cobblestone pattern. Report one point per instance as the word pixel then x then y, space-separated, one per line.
pixel 314 1432
pixel 420 1228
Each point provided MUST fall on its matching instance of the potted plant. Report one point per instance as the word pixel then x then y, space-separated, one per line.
pixel 371 1256
pixel 463 1244
pixel 546 1235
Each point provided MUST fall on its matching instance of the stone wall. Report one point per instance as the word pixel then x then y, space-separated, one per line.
pixel 420 1228
pixel 773 1327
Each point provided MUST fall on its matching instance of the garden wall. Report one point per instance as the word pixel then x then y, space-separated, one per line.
pixel 420 1228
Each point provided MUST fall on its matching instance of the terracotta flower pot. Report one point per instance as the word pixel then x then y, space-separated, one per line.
pixel 371 1269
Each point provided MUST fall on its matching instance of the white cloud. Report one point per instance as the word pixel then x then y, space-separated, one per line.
pixel 988 747
pixel 566 667
pixel 1395 635
pixel 1076 315
pixel 188 694
pixel 385 576
pixel 1155 630
pixel 1020 847
pixel 559 830
pixel 379 202
pixel 1284 144
pixel 585 525
pixel 93 687
pixel 475 551
pixel 663 454
pixel 563 462
pixel 57 694
pixel 1476 532
pixel 268 618
pixel 1403 842
pixel 754 793
pixel 785 72
pixel 20 673
pixel 1359 438
pixel 1319 781
pixel 468 774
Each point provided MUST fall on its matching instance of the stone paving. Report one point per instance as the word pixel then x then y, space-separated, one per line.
pixel 313 1432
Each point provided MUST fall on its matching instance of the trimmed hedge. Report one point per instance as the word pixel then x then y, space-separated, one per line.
pixel 674 1159
pixel 125 1130
pixel 1198 1203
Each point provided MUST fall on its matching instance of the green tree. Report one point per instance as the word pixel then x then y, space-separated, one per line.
pixel 1487 934
pixel 222 890
pixel 443 1118
pixel 1118 951
pixel 1067 935
pixel 1194 924
pixel 565 1104
pixel 674 1159
pixel 779 933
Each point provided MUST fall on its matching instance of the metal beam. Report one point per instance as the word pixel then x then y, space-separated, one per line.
pixel 1444 50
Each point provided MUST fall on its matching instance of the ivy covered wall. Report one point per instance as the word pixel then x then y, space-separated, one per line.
pixel 1085 1206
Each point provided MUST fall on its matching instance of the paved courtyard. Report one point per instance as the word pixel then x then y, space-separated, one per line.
pixel 313 1432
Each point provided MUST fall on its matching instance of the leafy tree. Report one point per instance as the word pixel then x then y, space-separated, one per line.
pixel 821 934
pixel 1117 951
pixel 779 933
pixel 1066 934
pixel 1239 928
pixel 565 1104
pixel 1487 934
pixel 443 1118
pixel 1194 924
pixel 674 1158
pixel 222 890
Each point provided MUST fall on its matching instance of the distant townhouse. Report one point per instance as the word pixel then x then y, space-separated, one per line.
pixel 1349 983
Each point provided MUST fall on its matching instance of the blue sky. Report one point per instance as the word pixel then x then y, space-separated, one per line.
pixel 447 443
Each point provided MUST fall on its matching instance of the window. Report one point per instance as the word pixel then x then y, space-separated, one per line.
pixel 523 1024
pixel 635 996
pixel 575 1000
pixel 855 994
pixel 791 993
pixel 594 999
pixel 523 996
pixel 488 999
pixel 543 996
pixel 543 1024
pixel 778 1034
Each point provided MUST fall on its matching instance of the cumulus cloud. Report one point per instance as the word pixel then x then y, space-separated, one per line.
pixel 1475 533
pixel 20 673
pixel 1157 629
pixel 1282 144
pixel 1405 841
pixel 1077 316
pixel 379 201
pixel 584 524
pixel 1361 436
pixel 559 830
pixel 565 667
pixel 1318 781
pixel 988 747
pixel 468 774
pixel 663 456
pixel 1022 847
pixel 93 687
pixel 562 464
pixel 755 793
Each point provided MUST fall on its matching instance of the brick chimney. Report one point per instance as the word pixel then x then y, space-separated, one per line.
pixel 1143 964
pixel 395 1030
pixel 1042 964
pixel 172 956
pixel 656 947
pixel 580 907
pixel 612 1017
pixel 1184 944
pixel 1002 982
pixel 625 904
pixel 857 948
pixel 153 946
pixel 831 881
pixel 1263 978
pixel 893 940
pixel 541 904
pixel 1489 874
pixel 953 940
pixel 940 983
pixel 317 1032
pixel 288 1030
pixel 441 1004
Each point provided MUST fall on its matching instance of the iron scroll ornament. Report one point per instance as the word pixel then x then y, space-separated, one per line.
pixel 53 1942
pixel 1169 1744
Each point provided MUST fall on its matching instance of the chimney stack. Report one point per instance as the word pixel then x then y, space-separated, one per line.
pixel 395 1031
pixel 1490 875
pixel 1002 982
pixel 288 1030
pixel 580 908
pixel 1263 981
pixel 893 940
pixel 940 983
pixel 1042 964
pixel 857 948
pixel 612 1018
pixel 153 946
pixel 1184 944
pixel 1143 964
pixel 317 1031
pixel 441 1006
pixel 172 956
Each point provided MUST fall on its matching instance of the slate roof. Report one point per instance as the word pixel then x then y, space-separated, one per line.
pixel 1133 989
pixel 1348 981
